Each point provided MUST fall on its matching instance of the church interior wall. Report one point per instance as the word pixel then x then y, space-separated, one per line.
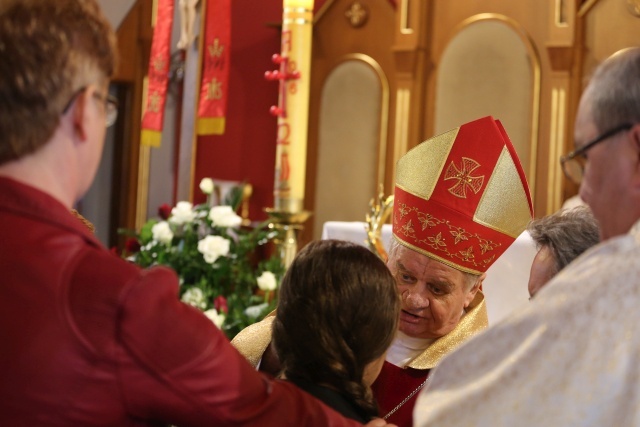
pixel 588 31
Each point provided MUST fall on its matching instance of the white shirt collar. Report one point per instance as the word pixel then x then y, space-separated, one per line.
pixel 405 348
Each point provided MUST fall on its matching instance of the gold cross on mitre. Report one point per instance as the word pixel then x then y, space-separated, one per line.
pixel 464 178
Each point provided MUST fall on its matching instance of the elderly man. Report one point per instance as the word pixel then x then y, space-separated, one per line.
pixel 571 357
pixel 451 222
pixel 87 338
pixel 560 238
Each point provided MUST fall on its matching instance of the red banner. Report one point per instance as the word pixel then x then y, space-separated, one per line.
pixel 212 108
pixel 158 76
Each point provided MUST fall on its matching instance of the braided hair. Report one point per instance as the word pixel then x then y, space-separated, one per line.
pixel 337 312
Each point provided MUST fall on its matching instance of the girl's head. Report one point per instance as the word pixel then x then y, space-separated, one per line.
pixel 337 315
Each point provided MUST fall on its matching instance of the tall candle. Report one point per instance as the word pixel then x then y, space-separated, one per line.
pixel 295 68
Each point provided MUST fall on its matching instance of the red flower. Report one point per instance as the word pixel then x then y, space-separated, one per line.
pixel 164 211
pixel 220 304
pixel 132 245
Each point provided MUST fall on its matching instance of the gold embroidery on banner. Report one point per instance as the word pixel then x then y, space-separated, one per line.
pixel 463 175
pixel 159 64
pixel 154 102
pixel 215 49
pixel 214 90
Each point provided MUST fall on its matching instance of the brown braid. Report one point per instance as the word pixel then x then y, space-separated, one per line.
pixel 338 311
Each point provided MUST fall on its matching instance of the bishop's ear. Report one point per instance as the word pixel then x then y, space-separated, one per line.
pixel 477 285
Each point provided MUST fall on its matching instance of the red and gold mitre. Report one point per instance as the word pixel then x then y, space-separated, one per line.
pixel 461 197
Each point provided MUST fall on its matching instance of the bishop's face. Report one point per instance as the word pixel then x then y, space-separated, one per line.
pixel 433 295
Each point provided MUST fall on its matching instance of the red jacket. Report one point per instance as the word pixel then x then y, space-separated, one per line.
pixel 89 339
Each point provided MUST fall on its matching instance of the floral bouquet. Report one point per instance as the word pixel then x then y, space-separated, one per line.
pixel 217 260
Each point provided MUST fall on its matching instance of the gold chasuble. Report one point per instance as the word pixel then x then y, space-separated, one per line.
pixel 253 340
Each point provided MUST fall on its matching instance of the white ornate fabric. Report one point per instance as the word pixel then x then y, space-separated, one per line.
pixel 571 358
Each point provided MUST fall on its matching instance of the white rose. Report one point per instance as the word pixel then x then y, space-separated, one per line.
pixel 224 216
pixel 212 247
pixel 154 242
pixel 255 310
pixel 162 232
pixel 267 281
pixel 195 298
pixel 217 319
pixel 206 185
pixel 182 214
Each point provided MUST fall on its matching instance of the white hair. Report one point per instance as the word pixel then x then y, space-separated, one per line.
pixel 470 278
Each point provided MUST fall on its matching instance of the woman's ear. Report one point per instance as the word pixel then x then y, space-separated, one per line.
pixel 635 137
pixel 81 114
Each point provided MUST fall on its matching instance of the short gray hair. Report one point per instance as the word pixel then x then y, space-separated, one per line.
pixel 469 278
pixel 567 233
pixel 614 92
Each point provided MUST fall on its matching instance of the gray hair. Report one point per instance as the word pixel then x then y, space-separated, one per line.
pixel 614 90
pixel 470 279
pixel 567 233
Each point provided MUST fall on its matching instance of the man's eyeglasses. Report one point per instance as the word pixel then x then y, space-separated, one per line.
pixel 110 105
pixel 574 162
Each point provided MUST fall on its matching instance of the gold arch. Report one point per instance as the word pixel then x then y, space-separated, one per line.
pixel 384 107
pixel 536 89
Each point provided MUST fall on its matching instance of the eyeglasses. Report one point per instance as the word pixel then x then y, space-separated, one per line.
pixel 573 163
pixel 110 105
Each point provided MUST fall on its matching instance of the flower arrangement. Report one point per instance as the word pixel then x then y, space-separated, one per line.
pixel 219 262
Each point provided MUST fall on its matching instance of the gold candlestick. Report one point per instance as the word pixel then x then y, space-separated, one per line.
pixel 288 225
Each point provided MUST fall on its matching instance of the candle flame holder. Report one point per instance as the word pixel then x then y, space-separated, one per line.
pixel 288 225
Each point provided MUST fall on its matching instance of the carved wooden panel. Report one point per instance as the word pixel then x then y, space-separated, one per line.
pixel 346 31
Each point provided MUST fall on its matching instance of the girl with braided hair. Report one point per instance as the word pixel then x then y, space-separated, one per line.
pixel 337 314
